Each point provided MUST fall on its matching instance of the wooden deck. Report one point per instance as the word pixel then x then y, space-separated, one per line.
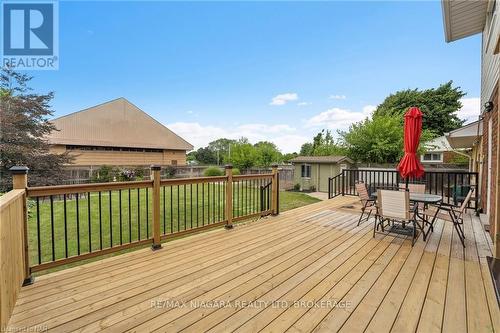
pixel 309 269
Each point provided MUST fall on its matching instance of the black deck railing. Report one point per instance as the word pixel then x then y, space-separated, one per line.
pixel 451 185
pixel 68 223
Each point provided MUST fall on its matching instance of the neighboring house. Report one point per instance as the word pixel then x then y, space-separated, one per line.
pixel 468 138
pixel 439 151
pixel 463 19
pixel 312 172
pixel 116 133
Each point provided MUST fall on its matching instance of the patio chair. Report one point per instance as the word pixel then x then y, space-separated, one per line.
pixel 415 188
pixel 451 213
pixel 368 203
pixel 394 207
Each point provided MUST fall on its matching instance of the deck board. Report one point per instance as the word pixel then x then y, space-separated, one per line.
pixel 267 275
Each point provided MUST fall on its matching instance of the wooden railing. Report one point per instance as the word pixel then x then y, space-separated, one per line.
pixel 451 185
pixel 69 223
pixel 14 271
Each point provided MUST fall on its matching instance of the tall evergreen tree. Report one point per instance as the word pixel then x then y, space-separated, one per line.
pixel 439 106
pixel 24 126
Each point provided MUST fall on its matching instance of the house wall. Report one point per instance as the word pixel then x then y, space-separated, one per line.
pixel 121 158
pixel 488 192
pixel 490 63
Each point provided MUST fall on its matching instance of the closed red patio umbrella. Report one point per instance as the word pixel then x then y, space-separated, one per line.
pixel 410 166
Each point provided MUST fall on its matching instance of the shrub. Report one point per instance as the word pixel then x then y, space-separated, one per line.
pixel 105 174
pixel 236 172
pixel 139 173
pixel 296 187
pixel 169 171
pixel 213 172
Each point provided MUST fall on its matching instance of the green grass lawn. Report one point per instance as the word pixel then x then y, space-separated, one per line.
pixel 126 216
pixel 290 200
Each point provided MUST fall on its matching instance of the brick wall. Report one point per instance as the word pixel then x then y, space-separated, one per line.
pixel 493 115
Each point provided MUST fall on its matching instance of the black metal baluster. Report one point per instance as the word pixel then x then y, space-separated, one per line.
pixel 110 221
pixel 197 204
pixel 191 206
pixel 138 214
pixel 171 209
pixel 164 213
pixel 213 203
pixel 178 210
pixel 89 215
pixel 208 203
pixel 120 213
pixel 65 228
pixel 454 187
pixel 100 220
pixel 78 223
pixel 185 210
pixel 203 204
pixel 52 227
pixel 147 212
pixel 129 218
pixel 38 230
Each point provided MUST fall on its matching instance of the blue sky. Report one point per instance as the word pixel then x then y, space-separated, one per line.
pixel 208 70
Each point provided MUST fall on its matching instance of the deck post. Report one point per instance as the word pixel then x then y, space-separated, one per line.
pixel 229 196
pixel 156 178
pixel 20 182
pixel 275 190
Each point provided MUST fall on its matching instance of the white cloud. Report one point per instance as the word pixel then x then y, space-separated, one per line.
pixel 284 136
pixel 471 107
pixel 304 103
pixel 189 112
pixel 282 99
pixel 368 109
pixel 337 118
pixel 337 97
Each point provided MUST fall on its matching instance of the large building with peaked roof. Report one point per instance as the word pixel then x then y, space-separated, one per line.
pixel 116 133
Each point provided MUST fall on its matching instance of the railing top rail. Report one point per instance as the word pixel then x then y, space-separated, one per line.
pixel 395 171
pixel 43 191
pixel 9 197
pixel 254 176
pixel 195 180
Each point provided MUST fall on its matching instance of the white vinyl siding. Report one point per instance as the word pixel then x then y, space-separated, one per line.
pixel 490 66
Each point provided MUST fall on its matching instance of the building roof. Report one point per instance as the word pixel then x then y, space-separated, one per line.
pixel 465 136
pixel 463 18
pixel 439 144
pixel 320 159
pixel 117 123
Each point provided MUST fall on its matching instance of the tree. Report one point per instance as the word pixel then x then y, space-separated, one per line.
pixel 221 148
pixel 377 140
pixel 288 156
pixel 243 155
pixel 205 156
pixel 267 153
pixel 323 145
pixel 439 106
pixel 306 149
pixel 24 126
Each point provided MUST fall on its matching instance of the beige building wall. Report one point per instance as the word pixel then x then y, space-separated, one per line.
pixel 122 158
pixel 320 172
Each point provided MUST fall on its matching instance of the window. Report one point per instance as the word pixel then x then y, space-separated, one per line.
pixel 306 171
pixel 174 162
pixel 432 157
